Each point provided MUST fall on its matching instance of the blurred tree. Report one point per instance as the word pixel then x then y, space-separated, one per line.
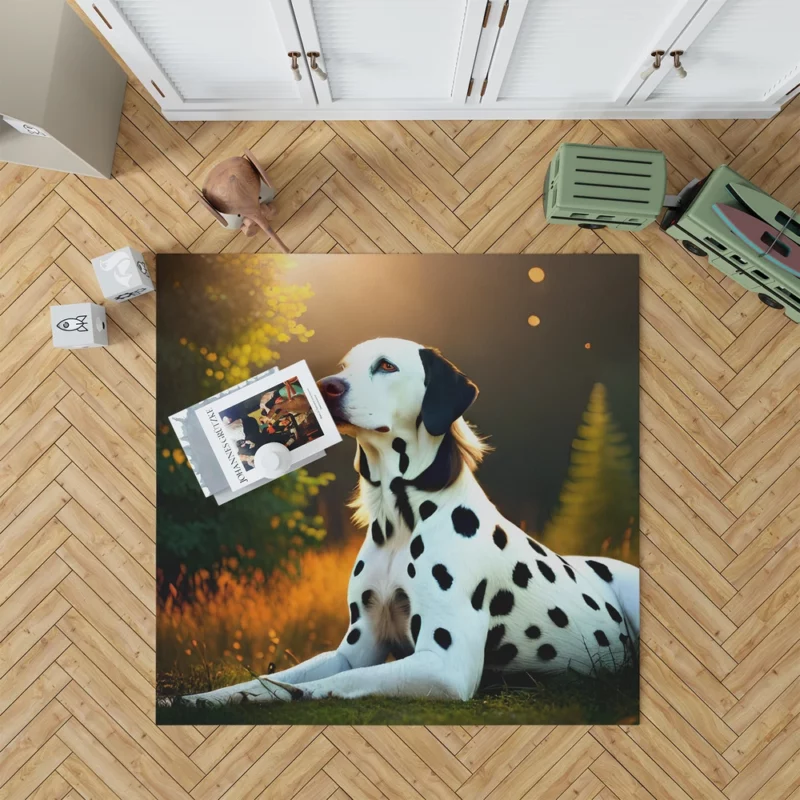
pixel 228 324
pixel 598 506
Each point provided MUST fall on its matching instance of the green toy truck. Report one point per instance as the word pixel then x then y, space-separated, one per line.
pixel 701 231
pixel 597 187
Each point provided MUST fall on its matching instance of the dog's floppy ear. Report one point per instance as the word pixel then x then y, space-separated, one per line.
pixel 448 392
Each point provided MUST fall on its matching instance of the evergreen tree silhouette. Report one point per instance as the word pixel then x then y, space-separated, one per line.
pixel 598 505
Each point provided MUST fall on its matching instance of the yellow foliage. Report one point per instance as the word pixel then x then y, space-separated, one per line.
pixel 301 609
pixel 254 348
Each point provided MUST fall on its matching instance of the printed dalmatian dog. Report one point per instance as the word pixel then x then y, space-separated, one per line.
pixel 444 582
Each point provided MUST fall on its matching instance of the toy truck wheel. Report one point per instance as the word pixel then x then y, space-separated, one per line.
pixel 592 226
pixel 769 301
pixel 693 248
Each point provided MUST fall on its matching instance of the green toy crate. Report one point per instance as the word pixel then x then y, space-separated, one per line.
pixel 597 187
pixel 702 232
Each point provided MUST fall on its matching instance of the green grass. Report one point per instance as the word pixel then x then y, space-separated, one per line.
pixel 570 699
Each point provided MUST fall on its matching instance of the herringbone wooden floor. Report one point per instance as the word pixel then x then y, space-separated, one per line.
pixel 720 471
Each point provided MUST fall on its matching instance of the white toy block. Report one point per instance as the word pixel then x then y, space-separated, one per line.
pixel 122 274
pixel 79 325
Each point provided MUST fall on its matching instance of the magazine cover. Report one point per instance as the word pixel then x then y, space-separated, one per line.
pixel 285 407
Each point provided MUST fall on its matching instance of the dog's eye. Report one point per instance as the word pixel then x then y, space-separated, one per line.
pixel 386 366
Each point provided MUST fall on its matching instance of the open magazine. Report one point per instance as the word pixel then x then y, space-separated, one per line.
pixel 222 435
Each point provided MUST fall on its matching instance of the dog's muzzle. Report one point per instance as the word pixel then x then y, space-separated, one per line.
pixel 333 392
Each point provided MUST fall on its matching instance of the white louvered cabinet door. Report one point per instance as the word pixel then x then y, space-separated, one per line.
pixel 562 54
pixel 204 55
pixel 747 51
pixel 391 54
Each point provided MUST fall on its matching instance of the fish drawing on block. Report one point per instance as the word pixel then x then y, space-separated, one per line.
pixel 77 324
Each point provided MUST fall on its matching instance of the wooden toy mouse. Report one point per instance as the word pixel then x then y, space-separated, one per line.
pixel 238 193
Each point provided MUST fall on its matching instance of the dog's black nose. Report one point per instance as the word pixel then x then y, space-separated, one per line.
pixel 333 388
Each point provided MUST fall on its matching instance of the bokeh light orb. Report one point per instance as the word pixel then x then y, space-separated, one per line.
pixel 536 274
pixel 533 320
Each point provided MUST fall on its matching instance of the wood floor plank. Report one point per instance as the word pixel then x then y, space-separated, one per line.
pixel 94 720
pixel 12 176
pixel 437 143
pixel 159 131
pixel 401 180
pixel 500 181
pixel 355 206
pixel 152 740
pixel 142 187
pixel 417 159
pixel 388 202
pixel 24 244
pixel 31 629
pixel 720 497
pixel 494 152
pixel 25 199
pixel 99 613
pixel 33 737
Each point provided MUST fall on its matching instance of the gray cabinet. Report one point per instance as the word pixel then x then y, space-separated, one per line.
pixel 59 79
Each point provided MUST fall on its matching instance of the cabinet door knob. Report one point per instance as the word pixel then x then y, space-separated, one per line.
pixel 657 56
pixel 676 60
pixel 315 68
pixel 294 55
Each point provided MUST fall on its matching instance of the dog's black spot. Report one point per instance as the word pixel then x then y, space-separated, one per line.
pixel 558 616
pixel 591 603
pixel 500 538
pixel 533 632
pixel 478 595
pixel 613 613
pixel 546 571
pixel 389 529
pixel 624 638
pixel 359 567
pixel 363 467
pixel 416 624
pixel 443 638
pixel 494 637
pixel 444 470
pixel 417 547
pixel 602 639
pixel 464 521
pixel 538 548
pixel 354 613
pixel 521 575
pixel 377 533
pixel 427 509
pixel 546 652
pixel 601 569
pixel 504 654
pixel 443 577
pixel 398 487
pixel 399 446
pixel 353 636
pixel 412 571
pixel 569 571
pixel 366 598
pixel 502 603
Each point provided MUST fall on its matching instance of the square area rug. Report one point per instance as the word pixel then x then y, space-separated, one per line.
pixel 468 553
